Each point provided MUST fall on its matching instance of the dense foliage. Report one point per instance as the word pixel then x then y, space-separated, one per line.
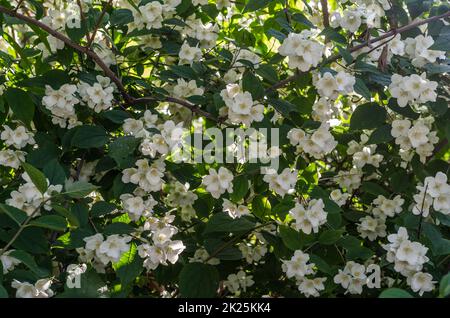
pixel 96 96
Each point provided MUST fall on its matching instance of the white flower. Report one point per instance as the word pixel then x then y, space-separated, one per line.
pixel 19 137
pixel 233 210
pixel 41 289
pixel 412 89
pixel 311 287
pixel 310 218
pixel 241 280
pixel 371 228
pixel 351 20
pixel 114 246
pixel 189 54
pixel 218 182
pixel 421 283
pixel 283 183
pixel 8 262
pixel 303 52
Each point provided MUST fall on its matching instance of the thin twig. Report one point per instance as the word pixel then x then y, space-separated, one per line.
pixel 22 227
pixel 421 212
pixel 97 24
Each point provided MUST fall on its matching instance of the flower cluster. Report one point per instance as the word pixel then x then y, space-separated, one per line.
pixel 309 218
pixel 98 96
pixel 283 183
pixel 418 50
pixel 434 193
pixel 414 137
pixel 299 267
pixel 352 277
pixel 41 289
pixel 136 206
pixel 329 85
pixel 317 144
pixel 217 182
pixel 29 199
pixel 101 251
pixel 303 53
pixel 239 281
pixel 408 257
pixel 147 176
pixel 61 103
pixel 413 89
pixel 18 138
pixel 233 210
pixel 163 249
pixel 240 106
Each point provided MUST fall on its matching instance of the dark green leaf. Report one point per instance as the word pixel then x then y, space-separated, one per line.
pixel 36 176
pixel 368 116
pixel 198 280
pixel 52 222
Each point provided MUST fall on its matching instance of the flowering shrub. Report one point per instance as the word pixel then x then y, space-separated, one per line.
pixel 104 194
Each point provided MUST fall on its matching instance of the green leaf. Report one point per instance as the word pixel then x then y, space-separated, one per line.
pixel 116 116
pixel 405 111
pixel 300 18
pixel 3 292
pixel 222 222
pixel 36 176
pixel 291 238
pixel 330 236
pixel 240 188
pixel 282 106
pixel 215 245
pixel 90 283
pixel 52 222
pixel 267 72
pixel 374 188
pixel 261 206
pixel 395 293
pixel 333 35
pixel 101 208
pixel 118 228
pixel 129 267
pixel 21 104
pixel 79 189
pixel 439 107
pixel 121 17
pixel 381 135
pixel 14 213
pixel 54 172
pixel 122 149
pixel 444 286
pixel 346 55
pixel 253 5
pixel 368 116
pixel 73 220
pixel 198 280
pixel 29 262
pixel 184 71
pixel 361 88
pixel 252 84
pixel 87 136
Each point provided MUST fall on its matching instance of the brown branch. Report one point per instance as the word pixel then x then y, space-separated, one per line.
pixel 191 107
pixel 18 5
pixel 326 14
pixel 108 72
pixel 333 58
